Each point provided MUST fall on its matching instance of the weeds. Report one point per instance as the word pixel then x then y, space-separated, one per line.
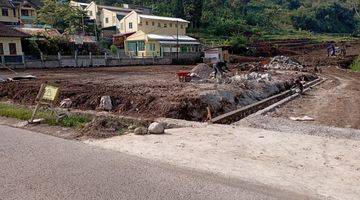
pixel 23 113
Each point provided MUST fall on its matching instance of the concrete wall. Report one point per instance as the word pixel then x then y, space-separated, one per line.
pixel 85 61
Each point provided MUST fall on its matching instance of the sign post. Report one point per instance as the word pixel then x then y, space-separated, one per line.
pixel 47 95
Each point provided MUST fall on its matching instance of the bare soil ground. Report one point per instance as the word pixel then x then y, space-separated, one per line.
pixel 143 91
pixel 334 103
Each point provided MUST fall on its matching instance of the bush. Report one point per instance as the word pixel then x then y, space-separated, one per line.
pixel 332 18
pixel 356 65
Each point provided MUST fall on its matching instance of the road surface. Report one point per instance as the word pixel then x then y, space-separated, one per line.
pixel 37 166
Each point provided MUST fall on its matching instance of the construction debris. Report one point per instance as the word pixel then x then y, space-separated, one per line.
pixel 202 71
pixel 305 118
pixel 253 76
pixel 66 103
pixel 284 63
pixel 156 128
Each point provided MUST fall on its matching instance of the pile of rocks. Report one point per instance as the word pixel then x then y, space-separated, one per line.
pixel 253 76
pixel 201 71
pixel 284 63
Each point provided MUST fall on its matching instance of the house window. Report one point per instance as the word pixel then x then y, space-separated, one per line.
pixel 181 26
pixel 141 45
pixel 14 11
pixel 151 47
pixel 1 49
pixel 24 13
pixel 5 12
pixel 159 25
pixel 170 25
pixel 165 25
pixel 140 23
pixel 153 23
pixel 130 25
pixel 147 23
pixel 106 20
pixel 12 48
pixel 90 13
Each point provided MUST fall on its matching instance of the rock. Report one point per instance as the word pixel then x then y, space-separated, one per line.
pixel 66 103
pixel 105 103
pixel 156 128
pixel 131 127
pixel 140 131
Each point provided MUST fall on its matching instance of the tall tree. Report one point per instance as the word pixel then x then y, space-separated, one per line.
pixel 60 15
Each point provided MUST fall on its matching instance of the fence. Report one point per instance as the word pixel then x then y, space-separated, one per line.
pixel 59 61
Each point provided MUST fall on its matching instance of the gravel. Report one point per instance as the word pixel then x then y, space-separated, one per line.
pixel 286 125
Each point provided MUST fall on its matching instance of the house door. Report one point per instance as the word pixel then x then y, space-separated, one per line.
pixel 12 48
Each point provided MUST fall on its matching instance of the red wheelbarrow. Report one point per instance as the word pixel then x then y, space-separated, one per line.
pixel 184 76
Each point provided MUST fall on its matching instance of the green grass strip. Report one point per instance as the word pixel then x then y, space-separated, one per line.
pixel 24 113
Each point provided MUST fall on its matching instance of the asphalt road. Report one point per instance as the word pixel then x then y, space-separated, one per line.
pixel 37 166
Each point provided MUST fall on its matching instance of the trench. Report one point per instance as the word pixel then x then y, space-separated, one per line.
pixel 264 105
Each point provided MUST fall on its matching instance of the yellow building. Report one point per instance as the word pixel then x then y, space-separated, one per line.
pixel 10 44
pixel 156 36
pixel 107 16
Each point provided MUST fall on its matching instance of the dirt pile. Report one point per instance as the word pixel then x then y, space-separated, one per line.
pixel 284 63
pixel 202 71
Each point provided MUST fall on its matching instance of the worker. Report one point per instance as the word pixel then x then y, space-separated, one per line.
pixel 300 84
pixel 220 67
pixel 331 49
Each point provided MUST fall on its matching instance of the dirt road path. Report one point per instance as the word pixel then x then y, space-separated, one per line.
pixel 334 103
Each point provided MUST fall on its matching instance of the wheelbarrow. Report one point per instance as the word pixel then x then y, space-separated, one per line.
pixel 184 76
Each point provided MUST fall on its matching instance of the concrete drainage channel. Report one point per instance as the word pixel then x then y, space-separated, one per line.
pixel 263 106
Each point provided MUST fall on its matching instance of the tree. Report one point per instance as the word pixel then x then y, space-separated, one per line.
pixel 179 9
pixel 60 15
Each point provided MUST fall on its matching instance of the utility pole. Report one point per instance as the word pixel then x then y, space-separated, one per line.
pixel 177 40
pixel 83 24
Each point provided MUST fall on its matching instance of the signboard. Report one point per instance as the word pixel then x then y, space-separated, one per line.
pixel 50 93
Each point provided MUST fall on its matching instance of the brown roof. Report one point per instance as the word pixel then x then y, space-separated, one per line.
pixel 6 31
pixel 40 31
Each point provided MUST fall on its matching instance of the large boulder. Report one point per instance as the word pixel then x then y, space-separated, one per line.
pixel 156 128
pixel 105 103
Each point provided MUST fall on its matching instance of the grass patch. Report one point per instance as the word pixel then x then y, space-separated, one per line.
pixel 356 65
pixel 24 113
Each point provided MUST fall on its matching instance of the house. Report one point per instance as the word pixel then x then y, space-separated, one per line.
pixel 18 12
pixel 156 36
pixel 108 16
pixel 9 14
pixel 26 11
pixel 10 44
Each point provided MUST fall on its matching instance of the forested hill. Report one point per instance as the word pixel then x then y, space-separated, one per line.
pixel 228 17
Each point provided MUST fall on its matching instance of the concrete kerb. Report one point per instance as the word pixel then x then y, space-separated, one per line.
pixel 308 86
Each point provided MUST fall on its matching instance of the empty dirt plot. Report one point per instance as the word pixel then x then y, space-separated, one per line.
pixel 148 91
pixel 334 103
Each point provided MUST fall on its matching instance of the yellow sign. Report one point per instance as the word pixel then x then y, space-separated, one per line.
pixel 50 93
